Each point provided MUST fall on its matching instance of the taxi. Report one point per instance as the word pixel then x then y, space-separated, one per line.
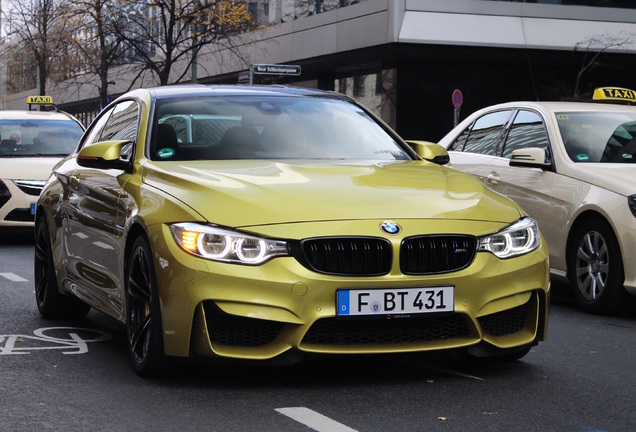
pixel 571 166
pixel 31 143
pixel 266 223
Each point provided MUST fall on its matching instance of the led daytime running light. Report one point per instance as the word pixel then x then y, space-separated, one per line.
pixel 218 244
pixel 519 238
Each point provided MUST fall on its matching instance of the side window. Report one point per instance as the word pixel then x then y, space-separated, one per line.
pixel 486 133
pixel 96 129
pixel 122 124
pixel 527 130
pixel 458 144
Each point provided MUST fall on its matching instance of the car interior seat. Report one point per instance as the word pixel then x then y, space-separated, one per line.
pixel 284 141
pixel 238 142
pixel 8 146
pixel 166 143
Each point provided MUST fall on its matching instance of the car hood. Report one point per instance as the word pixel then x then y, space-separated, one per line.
pixel 249 193
pixel 27 168
pixel 618 178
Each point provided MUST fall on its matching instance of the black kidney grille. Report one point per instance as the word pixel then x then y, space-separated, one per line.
pixel 339 331
pixel 436 254
pixel 352 256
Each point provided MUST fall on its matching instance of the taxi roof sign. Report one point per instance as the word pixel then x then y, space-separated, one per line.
pixel 40 100
pixel 614 94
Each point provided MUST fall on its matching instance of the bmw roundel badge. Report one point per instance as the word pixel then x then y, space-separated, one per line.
pixel 390 227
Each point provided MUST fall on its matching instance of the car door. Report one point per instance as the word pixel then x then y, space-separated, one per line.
pixel 536 190
pixel 95 217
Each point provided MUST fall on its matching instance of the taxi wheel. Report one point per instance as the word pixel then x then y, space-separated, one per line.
pixel 143 314
pixel 50 302
pixel 595 268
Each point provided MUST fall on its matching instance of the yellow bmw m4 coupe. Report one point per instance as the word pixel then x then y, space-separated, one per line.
pixel 264 223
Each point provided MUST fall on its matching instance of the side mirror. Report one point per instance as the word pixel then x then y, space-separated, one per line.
pixel 430 151
pixel 103 155
pixel 531 157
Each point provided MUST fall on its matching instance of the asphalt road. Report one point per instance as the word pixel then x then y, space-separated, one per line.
pixel 77 378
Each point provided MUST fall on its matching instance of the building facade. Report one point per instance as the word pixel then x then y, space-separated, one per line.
pixel 405 58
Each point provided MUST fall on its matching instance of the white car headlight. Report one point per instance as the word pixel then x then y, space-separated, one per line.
pixel 519 238
pixel 219 244
pixel 631 203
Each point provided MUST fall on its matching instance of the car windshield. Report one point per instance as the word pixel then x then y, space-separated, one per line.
pixel 599 136
pixel 35 137
pixel 272 127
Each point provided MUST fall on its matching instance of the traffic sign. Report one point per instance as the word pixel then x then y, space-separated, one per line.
pixel 276 69
pixel 458 98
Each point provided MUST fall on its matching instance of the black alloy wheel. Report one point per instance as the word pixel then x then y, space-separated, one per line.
pixel 595 268
pixel 143 313
pixel 50 302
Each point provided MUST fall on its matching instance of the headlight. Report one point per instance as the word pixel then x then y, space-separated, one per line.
pixel 224 245
pixel 5 195
pixel 517 239
pixel 631 202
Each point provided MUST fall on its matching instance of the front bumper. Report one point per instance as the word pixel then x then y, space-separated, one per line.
pixel 212 309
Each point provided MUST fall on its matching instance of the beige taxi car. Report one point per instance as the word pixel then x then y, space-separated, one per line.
pixel 31 143
pixel 572 167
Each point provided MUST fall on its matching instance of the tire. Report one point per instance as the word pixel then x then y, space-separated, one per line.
pixel 50 302
pixel 595 268
pixel 143 313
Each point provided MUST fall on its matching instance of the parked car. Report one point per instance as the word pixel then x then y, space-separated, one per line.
pixel 287 221
pixel 571 166
pixel 31 143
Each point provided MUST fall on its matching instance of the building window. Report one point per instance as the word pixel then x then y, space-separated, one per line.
pixel 358 85
pixel 252 8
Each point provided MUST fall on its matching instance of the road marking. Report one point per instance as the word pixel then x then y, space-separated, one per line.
pixel 13 277
pixel 314 420
pixel 42 339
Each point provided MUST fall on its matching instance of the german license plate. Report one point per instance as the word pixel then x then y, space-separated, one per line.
pixel 32 209
pixel 400 301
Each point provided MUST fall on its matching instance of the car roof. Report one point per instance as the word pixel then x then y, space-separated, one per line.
pixel 189 90
pixel 563 106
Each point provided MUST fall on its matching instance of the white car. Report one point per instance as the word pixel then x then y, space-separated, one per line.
pixel 572 167
pixel 31 143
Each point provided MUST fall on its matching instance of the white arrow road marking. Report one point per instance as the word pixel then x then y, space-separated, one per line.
pixel 314 420
pixel 13 277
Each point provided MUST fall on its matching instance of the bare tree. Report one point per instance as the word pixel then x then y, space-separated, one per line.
pixel 41 28
pixel 592 49
pixel 95 41
pixel 161 34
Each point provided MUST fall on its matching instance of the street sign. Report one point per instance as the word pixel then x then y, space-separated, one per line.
pixel 276 69
pixel 458 98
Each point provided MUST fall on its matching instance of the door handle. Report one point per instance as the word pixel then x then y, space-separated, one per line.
pixel 493 178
